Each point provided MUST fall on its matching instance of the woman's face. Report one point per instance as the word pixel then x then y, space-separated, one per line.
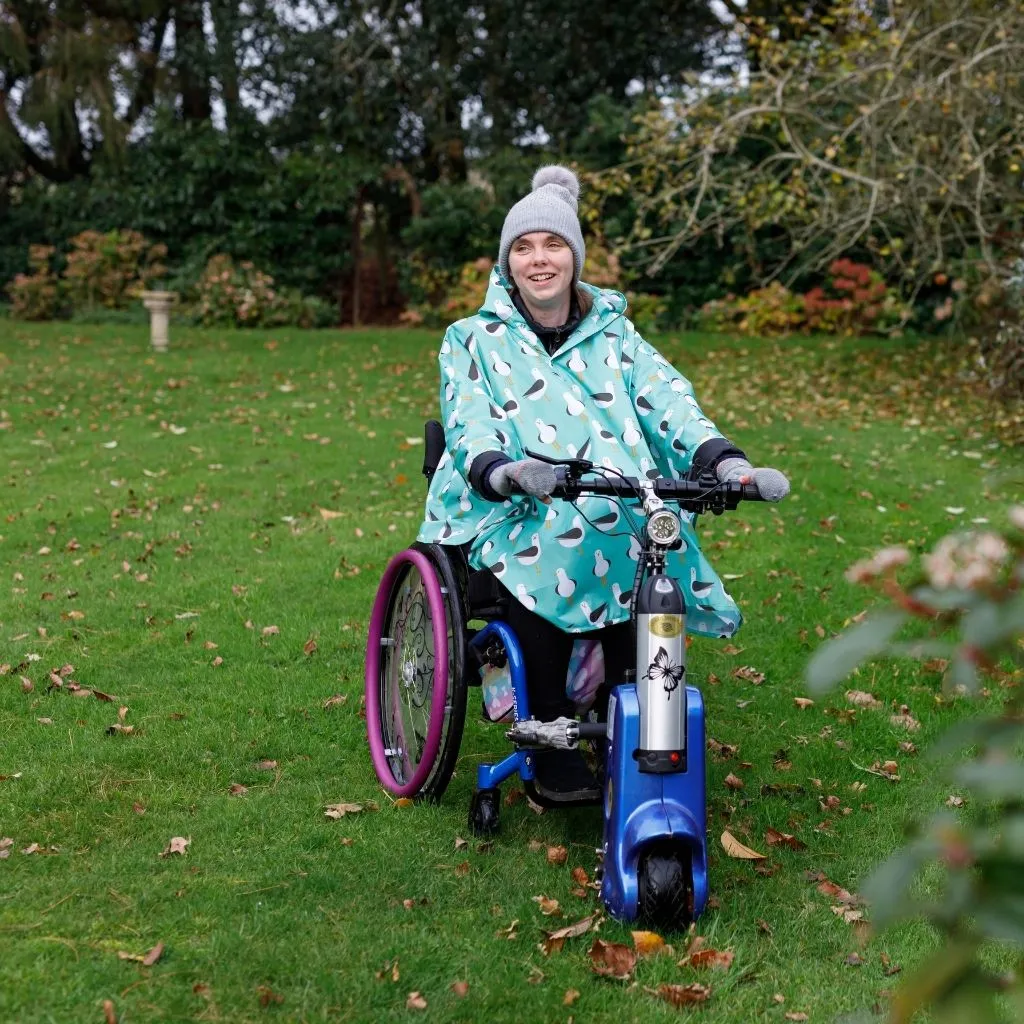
pixel 542 268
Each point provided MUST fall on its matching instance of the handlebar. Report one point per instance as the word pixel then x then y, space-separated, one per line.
pixel 706 494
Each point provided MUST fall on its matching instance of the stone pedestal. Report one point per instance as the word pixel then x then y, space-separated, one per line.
pixel 159 306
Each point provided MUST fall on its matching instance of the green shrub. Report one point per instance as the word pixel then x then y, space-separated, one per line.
pixel 240 295
pixel 110 269
pixel 36 296
pixel 853 300
pixel 965 607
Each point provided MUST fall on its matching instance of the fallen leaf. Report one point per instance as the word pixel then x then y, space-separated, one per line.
pixel 854 960
pixel 462 869
pixel 749 673
pixel 796 1015
pixel 26 685
pixel 733 782
pixel 460 988
pixel 334 701
pixel 734 848
pixel 237 789
pixel 138 808
pixel 508 933
pixel 45 721
pixel 266 766
pixel 328 514
pixel 404 801
pixel 647 943
pixel 153 955
pixel 905 721
pixel 682 995
pixel 714 959
pixel 557 855
pixel 309 647
pixel 109 1013
pixel 570 997
pixel 547 906
pixel 106 697
pixel 270 631
pixel 775 838
pixel 415 1002
pixel 118 729
pixel 579 876
pixel 267 995
pixel 954 801
pixel 554 940
pixel 803 702
pixel 861 699
pixel 336 811
pixel 178 844
pixel 32 848
pixel 612 959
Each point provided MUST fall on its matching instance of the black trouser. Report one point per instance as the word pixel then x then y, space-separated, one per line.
pixel 546 653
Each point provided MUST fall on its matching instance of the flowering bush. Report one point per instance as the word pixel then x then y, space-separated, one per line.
pixel 36 296
pixel 110 269
pixel 968 599
pixel 853 300
pixel 240 295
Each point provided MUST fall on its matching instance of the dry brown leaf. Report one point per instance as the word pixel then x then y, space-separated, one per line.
pixel 796 1015
pixel 460 988
pixel 461 844
pixel 775 838
pixel 266 996
pixel 837 892
pixel 309 647
pixel 328 514
pixel 122 711
pixel 209 645
pixel 45 721
pixel 153 955
pixel 237 789
pixel 508 933
pixel 462 869
pixel 138 808
pixel 557 855
pixel 178 844
pixel 579 876
pixel 570 997
pixel 266 766
pixel 682 995
pixel 733 781
pixel 554 939
pixel 612 959
pixel 336 811
pixel 32 848
pixel 109 1013
pixel 647 943
pixel 954 801
pixel 547 906
pixel 862 699
pixel 713 959
pixel 100 695
pixel 117 729
pixel 734 848
pixel 334 701
pixel 906 721
pixel 749 673
pixel 405 801
pixel 26 685
pixel 803 702
pixel 217 662
pixel 270 631
pixel 415 1002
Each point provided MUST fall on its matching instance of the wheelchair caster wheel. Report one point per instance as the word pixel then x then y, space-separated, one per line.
pixel 483 812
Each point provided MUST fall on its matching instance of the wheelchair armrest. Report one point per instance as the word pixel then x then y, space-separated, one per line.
pixel 433 448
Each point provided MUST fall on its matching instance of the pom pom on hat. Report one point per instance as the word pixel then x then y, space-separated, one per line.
pixel 556 174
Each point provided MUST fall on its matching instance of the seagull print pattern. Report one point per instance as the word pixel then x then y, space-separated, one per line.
pixel 607 396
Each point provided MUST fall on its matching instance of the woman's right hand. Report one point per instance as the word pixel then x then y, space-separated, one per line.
pixel 531 476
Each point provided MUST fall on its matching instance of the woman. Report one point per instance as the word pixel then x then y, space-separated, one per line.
pixel 553 365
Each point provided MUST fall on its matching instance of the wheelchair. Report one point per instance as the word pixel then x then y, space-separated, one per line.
pixel 419 659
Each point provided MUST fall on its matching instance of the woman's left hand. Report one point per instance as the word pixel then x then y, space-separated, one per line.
pixel 771 484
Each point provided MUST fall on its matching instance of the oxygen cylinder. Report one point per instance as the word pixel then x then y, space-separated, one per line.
pixel 661 675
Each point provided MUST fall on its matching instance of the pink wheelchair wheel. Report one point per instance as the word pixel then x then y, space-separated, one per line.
pixel 407 674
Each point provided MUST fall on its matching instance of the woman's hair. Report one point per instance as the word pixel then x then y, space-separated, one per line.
pixel 584 301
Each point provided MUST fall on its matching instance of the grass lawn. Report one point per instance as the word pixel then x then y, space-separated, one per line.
pixel 160 532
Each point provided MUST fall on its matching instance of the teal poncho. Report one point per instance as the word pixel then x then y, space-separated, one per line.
pixel 606 395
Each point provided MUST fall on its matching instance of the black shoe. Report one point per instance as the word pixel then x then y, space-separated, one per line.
pixel 562 777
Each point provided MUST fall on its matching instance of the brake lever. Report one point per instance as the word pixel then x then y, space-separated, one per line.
pixel 576 466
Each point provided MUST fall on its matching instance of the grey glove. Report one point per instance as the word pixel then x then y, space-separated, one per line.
pixel 531 475
pixel 771 484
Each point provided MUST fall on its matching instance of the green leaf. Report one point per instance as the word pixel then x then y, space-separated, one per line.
pixel 996 780
pixel 836 659
pixel 887 888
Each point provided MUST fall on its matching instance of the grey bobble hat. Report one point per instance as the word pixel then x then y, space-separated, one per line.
pixel 551 206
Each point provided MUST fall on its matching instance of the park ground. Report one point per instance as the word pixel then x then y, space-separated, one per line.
pixel 197 536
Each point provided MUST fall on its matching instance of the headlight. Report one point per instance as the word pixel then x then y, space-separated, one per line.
pixel 663 527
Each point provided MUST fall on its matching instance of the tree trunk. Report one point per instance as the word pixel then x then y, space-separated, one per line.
pixel 191 61
pixel 357 256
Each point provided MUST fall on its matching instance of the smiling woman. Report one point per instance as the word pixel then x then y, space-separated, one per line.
pixel 552 365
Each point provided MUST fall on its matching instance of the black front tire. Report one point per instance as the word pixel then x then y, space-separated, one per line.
pixel 665 880
pixel 484 812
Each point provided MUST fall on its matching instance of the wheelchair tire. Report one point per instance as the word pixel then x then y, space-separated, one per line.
pixel 415 691
pixel 665 896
